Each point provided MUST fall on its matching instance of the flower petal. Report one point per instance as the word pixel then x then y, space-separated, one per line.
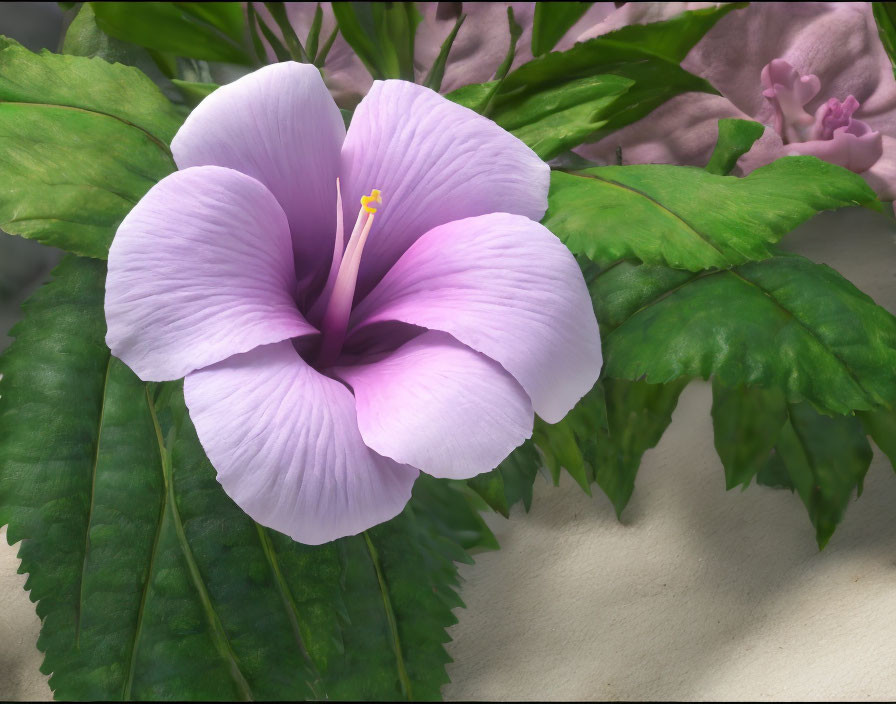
pixel 507 287
pixel 435 162
pixel 200 269
pixel 882 176
pixel 280 126
pixel 285 443
pixel 439 406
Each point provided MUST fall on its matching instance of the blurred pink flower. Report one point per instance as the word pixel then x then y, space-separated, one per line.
pixel 816 74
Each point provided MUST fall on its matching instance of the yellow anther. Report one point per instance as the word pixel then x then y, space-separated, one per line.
pixel 375 197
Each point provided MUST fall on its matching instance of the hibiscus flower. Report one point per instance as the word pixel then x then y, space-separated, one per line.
pixel 349 308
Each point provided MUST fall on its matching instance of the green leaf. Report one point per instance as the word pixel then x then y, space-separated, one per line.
pixel 563 99
pixel 152 584
pixel 881 426
pixel 437 71
pixel 736 138
pixel 605 436
pixel 194 92
pixel 296 50
pixel 826 459
pixel 381 34
pixel 747 421
pixel 200 30
pixel 885 17
pixel 552 20
pixel 76 161
pixel 511 482
pixel 784 322
pixel 687 218
pixel 638 414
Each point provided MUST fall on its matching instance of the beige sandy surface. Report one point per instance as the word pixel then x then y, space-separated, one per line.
pixel 698 594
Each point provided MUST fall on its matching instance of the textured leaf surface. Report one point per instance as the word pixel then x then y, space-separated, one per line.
pixel 75 161
pixel 152 584
pixel 605 436
pixel 784 322
pixel 736 137
pixel 746 424
pixel 562 99
pixel 826 459
pixel 511 482
pixel 201 30
pixel 687 218
pixel 552 20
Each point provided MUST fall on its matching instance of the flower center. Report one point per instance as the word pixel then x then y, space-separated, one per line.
pixel 339 291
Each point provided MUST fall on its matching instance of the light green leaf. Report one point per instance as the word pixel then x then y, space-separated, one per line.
pixel 563 99
pixel 552 20
pixel 687 218
pixel 826 459
pixel 200 30
pixel 736 138
pixel 76 161
pixel 784 322
pixel 747 421
pixel 152 584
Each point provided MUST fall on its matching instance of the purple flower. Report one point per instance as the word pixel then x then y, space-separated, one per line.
pixel 349 308
pixel 815 73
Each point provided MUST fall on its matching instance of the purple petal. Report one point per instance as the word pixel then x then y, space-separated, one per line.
pixel 435 162
pixel 439 406
pixel 855 147
pixel 285 443
pixel 200 269
pixel 505 286
pixel 882 176
pixel 280 126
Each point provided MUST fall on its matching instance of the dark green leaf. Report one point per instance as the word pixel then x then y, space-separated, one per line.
pixel 75 161
pixel 152 584
pixel 437 71
pixel 193 92
pixel 296 50
pixel 746 421
pixel 515 31
pixel 881 426
pixel 313 39
pixel 826 459
pixel 201 30
pixel 552 20
pixel 784 322
pixel 605 436
pixel 736 137
pixel 511 482
pixel 774 473
pixel 687 218
pixel 381 34
pixel 565 98
pixel 885 17
pixel 638 414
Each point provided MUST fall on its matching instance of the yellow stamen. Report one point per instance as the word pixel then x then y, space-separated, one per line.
pixel 374 197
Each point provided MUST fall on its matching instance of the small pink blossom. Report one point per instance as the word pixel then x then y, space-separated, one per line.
pixel 814 73
pixel 349 308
